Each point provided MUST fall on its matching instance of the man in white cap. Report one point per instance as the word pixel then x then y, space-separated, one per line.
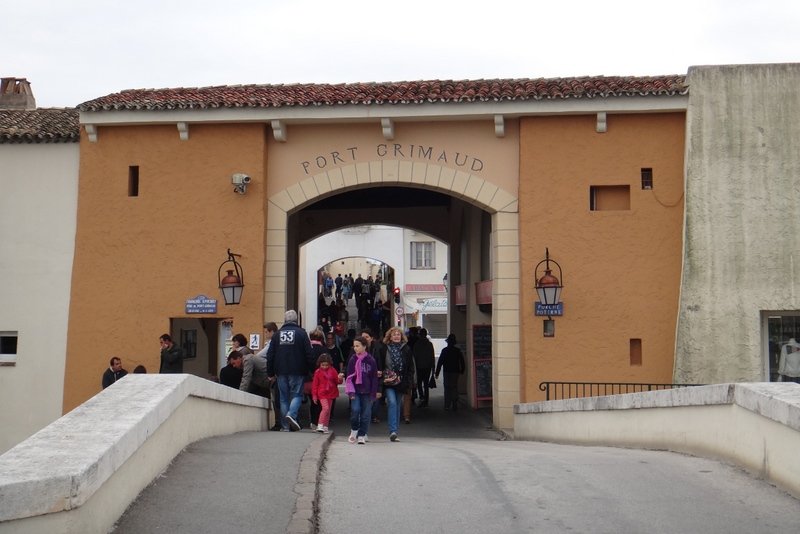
pixel 290 359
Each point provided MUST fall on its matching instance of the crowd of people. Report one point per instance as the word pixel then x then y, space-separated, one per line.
pixel 372 308
pixel 295 367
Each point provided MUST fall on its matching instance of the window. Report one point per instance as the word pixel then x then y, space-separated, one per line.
pixel 647 178
pixel 783 346
pixel 422 255
pixel 609 197
pixel 133 181
pixel 8 348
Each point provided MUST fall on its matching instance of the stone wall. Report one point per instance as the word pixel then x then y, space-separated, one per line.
pixel 742 231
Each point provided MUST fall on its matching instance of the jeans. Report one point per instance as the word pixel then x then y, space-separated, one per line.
pixel 394 403
pixel 361 413
pixel 291 393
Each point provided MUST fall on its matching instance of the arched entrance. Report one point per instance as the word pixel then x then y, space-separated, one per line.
pixel 476 195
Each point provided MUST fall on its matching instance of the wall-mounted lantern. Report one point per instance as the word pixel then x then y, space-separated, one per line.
pixel 232 283
pixel 548 287
pixel 444 282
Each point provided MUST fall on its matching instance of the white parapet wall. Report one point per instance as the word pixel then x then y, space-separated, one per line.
pixel 753 425
pixel 81 472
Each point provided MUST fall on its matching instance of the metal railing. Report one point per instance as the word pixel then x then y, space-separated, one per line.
pixel 575 390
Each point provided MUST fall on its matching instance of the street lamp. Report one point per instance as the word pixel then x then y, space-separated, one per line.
pixel 548 287
pixel 232 283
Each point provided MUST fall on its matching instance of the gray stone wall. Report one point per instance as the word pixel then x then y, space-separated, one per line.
pixel 742 242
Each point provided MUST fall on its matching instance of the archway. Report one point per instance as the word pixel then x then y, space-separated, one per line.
pixel 467 190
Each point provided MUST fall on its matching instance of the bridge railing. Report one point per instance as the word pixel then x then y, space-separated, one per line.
pixel 576 390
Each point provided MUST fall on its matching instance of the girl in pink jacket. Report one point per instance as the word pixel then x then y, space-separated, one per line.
pixel 325 389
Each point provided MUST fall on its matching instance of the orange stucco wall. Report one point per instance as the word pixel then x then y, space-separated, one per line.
pixel 138 259
pixel 621 269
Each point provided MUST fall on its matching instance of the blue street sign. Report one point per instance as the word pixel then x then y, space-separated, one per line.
pixel 549 310
pixel 201 304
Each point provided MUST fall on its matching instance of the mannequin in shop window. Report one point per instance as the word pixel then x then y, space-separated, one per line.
pixel 789 364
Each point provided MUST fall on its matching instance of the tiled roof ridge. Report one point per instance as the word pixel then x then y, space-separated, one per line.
pixel 40 125
pixel 383 93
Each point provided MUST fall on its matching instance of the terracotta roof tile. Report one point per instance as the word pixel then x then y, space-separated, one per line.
pixel 419 92
pixel 42 125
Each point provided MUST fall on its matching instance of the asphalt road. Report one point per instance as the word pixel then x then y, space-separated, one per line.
pixel 450 474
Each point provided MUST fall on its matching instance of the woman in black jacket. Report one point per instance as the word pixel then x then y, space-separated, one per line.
pixel 397 359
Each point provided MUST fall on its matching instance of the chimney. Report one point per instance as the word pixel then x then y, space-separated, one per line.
pixel 16 93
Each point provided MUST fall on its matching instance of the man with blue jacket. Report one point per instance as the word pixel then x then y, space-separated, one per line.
pixel 290 359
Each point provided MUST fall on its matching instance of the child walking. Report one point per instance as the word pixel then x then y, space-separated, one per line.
pixel 361 386
pixel 325 389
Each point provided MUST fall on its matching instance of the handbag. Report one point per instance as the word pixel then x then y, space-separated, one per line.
pixel 432 383
pixel 390 378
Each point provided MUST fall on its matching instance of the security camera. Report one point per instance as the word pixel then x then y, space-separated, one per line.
pixel 240 179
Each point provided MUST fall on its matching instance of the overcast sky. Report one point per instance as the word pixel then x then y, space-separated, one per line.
pixel 76 50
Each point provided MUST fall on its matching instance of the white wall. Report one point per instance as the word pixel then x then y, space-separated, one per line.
pixel 38 203
pixel 755 426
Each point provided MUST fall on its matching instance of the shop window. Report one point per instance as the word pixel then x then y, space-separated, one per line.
pixel 647 178
pixel 609 197
pixel 8 348
pixel 636 352
pixel 435 324
pixel 422 255
pixel 133 181
pixel 783 347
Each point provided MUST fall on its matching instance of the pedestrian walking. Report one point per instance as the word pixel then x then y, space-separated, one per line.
pixel 398 375
pixel 425 360
pixel 452 360
pixel 289 359
pixel 361 386
pixel 325 389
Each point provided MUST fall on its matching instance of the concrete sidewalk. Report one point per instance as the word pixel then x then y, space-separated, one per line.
pixel 268 481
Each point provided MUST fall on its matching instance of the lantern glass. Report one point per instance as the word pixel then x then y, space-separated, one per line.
pixel 549 294
pixel 232 294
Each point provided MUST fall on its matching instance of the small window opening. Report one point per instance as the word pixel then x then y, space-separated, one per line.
pixel 636 352
pixel 133 181
pixel 647 178
pixel 609 197
pixel 8 348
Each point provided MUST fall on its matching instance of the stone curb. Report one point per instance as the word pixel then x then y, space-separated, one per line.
pixel 306 510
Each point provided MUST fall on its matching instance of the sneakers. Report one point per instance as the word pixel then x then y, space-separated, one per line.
pixel 352 438
pixel 294 425
pixel 393 437
pixel 322 429
pixel 366 438
pixel 313 427
pixel 361 440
